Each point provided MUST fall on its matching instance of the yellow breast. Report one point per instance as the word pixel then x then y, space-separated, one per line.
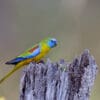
pixel 44 50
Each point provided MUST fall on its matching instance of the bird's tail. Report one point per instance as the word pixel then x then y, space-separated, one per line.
pixel 11 72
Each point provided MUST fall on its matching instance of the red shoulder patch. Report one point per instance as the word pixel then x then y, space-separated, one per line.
pixel 31 50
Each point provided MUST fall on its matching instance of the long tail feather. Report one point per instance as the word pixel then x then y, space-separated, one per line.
pixel 18 66
pixel 15 61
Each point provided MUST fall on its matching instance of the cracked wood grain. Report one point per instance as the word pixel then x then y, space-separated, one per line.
pixel 59 80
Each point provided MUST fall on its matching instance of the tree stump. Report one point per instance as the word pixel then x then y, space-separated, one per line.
pixel 60 80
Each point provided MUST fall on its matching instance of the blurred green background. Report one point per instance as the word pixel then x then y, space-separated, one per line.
pixel 75 23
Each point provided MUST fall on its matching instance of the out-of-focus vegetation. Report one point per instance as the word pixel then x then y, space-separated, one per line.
pixel 2 98
pixel 75 23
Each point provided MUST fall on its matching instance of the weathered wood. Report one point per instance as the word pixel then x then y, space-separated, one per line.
pixel 59 81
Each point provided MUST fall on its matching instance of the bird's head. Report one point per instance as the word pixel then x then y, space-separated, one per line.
pixel 52 42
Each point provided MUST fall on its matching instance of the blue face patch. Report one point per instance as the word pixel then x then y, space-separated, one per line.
pixel 52 42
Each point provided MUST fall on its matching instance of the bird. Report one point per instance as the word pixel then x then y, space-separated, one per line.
pixel 33 54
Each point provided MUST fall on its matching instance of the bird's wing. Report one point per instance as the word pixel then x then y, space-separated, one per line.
pixel 30 53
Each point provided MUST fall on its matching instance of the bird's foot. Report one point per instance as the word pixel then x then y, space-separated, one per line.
pixel 41 61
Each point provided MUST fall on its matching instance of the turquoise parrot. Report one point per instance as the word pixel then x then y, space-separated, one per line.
pixel 33 54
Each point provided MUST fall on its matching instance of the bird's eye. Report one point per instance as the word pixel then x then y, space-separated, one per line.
pixel 52 41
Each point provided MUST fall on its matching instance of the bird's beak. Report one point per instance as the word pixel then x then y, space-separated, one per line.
pixel 56 44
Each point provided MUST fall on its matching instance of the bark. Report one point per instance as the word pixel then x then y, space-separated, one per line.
pixel 60 80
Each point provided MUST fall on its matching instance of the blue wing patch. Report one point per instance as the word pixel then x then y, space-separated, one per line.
pixel 33 54
pixel 19 59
